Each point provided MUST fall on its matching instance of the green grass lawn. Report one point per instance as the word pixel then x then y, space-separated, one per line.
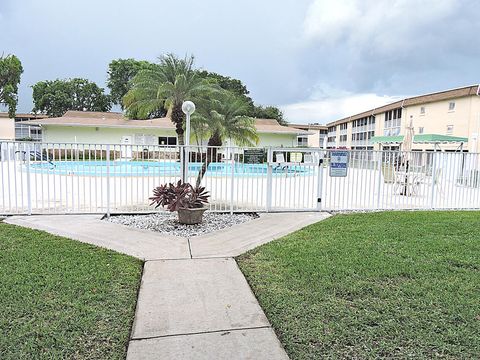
pixel 61 299
pixel 378 285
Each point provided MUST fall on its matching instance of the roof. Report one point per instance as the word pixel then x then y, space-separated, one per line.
pixel 115 119
pixel 420 138
pixel 23 115
pixel 273 127
pixel 415 100
pixel 102 119
pixel 308 126
pixel 94 114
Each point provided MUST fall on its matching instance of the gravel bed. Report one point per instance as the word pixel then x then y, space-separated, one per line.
pixel 167 223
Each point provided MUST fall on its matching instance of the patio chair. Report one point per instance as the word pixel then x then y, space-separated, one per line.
pixel 406 183
pixel 435 180
pixel 388 172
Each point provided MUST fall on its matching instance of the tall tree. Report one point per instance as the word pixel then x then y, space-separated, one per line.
pixel 238 88
pixel 227 83
pixel 269 112
pixel 120 74
pixel 224 117
pixel 10 72
pixel 166 86
pixel 56 97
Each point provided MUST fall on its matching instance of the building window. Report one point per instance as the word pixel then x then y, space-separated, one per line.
pixel 451 106
pixel 362 130
pixel 449 129
pixel 332 129
pixel 321 139
pixel 422 110
pixel 36 133
pixel 393 122
pixel 144 139
pixel 344 126
pixel 302 141
pixel 27 132
pixel 167 140
pixel 420 130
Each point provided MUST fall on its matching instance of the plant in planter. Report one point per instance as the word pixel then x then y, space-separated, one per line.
pixel 184 198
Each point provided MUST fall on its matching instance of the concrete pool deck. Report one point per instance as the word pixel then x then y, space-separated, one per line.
pixel 194 302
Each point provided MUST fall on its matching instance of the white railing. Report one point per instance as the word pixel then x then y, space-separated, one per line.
pixel 379 180
pixel 46 178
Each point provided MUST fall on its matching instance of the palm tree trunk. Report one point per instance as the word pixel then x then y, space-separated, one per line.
pixel 177 119
pixel 215 140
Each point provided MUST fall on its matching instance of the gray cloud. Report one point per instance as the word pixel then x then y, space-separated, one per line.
pixel 250 40
pixel 296 53
pixel 402 46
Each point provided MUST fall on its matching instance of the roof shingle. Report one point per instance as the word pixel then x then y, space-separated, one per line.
pixel 112 119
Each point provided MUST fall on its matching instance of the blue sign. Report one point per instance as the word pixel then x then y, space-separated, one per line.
pixel 338 163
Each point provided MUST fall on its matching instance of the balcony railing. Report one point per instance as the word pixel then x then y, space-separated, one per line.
pixel 363 128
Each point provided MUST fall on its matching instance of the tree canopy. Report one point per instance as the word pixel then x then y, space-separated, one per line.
pixel 10 72
pixel 227 83
pixel 223 117
pixel 237 88
pixel 120 74
pixel 56 97
pixel 268 112
pixel 165 86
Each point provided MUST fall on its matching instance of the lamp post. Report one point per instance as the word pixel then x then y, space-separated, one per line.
pixel 188 108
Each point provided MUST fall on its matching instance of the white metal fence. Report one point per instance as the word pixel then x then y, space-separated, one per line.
pixel 58 178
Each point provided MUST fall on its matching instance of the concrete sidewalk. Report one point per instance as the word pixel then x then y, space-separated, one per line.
pixel 90 229
pixel 194 302
pixel 199 306
pixel 234 241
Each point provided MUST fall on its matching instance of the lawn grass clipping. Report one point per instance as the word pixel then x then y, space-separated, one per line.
pixel 62 299
pixel 378 285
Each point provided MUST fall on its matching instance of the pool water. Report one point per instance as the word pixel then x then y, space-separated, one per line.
pixel 157 168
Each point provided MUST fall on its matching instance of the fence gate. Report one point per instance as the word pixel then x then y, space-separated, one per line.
pixel 294 179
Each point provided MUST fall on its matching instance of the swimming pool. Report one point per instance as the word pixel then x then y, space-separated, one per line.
pixel 159 168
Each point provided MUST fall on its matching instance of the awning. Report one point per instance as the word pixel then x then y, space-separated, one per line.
pixel 420 139
pixel 438 139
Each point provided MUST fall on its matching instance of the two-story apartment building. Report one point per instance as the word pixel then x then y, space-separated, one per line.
pixel 448 120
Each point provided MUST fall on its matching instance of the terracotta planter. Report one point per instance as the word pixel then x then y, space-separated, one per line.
pixel 191 216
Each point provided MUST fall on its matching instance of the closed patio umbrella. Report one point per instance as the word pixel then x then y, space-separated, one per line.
pixel 408 139
pixel 407 148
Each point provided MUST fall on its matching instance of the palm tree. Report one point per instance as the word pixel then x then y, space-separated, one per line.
pixel 165 86
pixel 224 118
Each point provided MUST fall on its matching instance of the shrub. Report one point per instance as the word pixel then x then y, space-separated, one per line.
pixel 179 195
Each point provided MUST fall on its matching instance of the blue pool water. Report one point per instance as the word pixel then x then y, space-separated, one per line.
pixel 153 168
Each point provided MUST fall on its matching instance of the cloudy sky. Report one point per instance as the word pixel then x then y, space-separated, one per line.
pixel 318 60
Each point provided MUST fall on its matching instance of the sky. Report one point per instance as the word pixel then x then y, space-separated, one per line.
pixel 318 60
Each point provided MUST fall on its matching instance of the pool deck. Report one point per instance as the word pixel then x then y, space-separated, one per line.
pixel 194 302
